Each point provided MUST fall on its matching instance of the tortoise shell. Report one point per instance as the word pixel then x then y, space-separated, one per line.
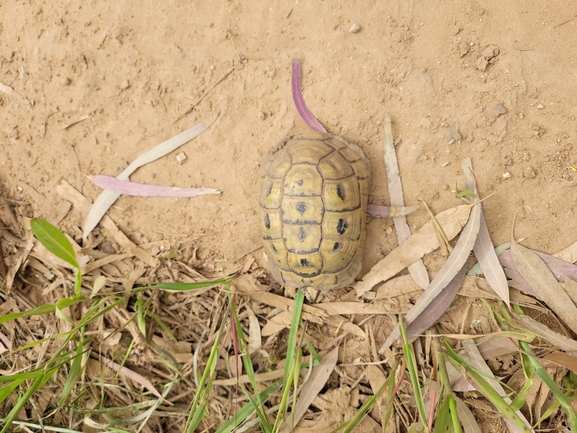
pixel 313 211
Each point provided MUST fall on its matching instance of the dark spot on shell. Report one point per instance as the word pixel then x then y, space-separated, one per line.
pixel 337 247
pixel 300 182
pixel 274 249
pixel 269 190
pixel 301 207
pixel 305 262
pixel 302 234
pixel 342 226
pixel 341 192
pixel 267 221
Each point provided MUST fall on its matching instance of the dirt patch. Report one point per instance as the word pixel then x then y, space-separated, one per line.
pixel 491 81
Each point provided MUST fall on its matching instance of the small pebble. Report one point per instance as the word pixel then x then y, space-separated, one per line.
pixel 355 28
pixel 181 158
pixel 506 175
pixel 529 173
pixel 540 107
pixel 261 115
pixel 498 109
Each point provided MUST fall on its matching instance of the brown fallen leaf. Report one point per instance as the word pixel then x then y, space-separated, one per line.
pixel 557 340
pixel 415 247
pixel 563 360
pixel 416 269
pixel 466 417
pixel 540 278
pixel 477 361
pixel 313 386
pixel 452 267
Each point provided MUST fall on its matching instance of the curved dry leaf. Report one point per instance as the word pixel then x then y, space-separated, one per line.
pixel 127 187
pixel 254 337
pixel 557 266
pixel 560 341
pixel 415 247
pixel 132 375
pixel 540 278
pixel 316 382
pixel 466 417
pixel 477 361
pixel 416 269
pixel 563 360
pixel 107 198
pixel 438 306
pixel 450 269
pixel 379 211
pixel 485 253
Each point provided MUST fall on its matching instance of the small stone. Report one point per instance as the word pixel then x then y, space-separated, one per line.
pixel 453 134
pixel 498 109
pixel 491 52
pixel 464 48
pixel 481 64
pixel 529 172
pixel 181 158
pixel 124 84
pixel 355 28
pixel 521 115
pixel 445 187
pixel 506 175
pixel 540 107
pixel 66 81
pixel 261 115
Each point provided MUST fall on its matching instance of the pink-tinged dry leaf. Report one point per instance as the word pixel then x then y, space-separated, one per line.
pixel 127 187
pixel 518 282
pixel 420 243
pixel 494 346
pixel 557 266
pixel 416 269
pixel 133 376
pixel 299 100
pixel 477 361
pixel 378 211
pixel 485 253
pixel 438 306
pixel 107 198
pixel 450 269
pixel 537 274
pixel 316 382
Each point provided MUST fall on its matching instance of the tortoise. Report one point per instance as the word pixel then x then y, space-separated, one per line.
pixel 313 205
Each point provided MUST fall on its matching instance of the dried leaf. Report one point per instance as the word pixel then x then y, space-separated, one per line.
pixel 557 266
pixel 495 345
pixel 450 269
pixel 82 204
pixel 476 360
pixel 569 254
pixel 438 305
pixel 316 382
pixel 11 92
pixel 132 375
pixel 378 211
pixel 254 338
pixel 420 243
pixel 299 100
pixel 563 360
pixel 107 198
pixel 536 273
pixel 416 269
pixel 557 340
pixel 127 187
pixel 485 253
pixel 466 417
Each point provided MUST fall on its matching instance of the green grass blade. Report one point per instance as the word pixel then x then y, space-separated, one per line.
pixel 186 286
pixel 74 373
pixel 487 390
pixel 248 409
pixel 6 390
pixel 413 373
pixel 43 309
pixel 454 415
pixel 443 420
pixel 54 240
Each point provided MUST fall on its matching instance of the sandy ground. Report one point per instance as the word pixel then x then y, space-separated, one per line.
pixel 491 80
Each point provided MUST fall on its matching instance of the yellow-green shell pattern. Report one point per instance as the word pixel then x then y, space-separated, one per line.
pixel 313 211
